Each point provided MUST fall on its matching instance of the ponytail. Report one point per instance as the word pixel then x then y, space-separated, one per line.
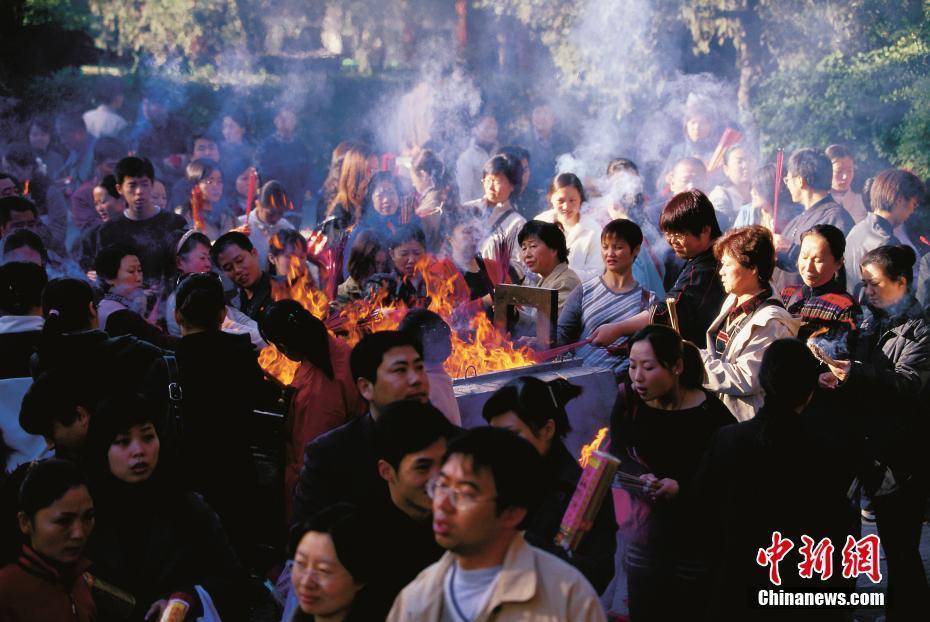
pixel 535 402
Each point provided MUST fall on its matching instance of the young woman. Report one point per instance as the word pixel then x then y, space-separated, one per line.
pixel 368 256
pixel 347 207
pixel 235 146
pixel 382 210
pixel 55 513
pixel 751 318
pixel 660 426
pixel 500 176
pixel 611 297
pixel 566 196
pixel 326 395
pixel 40 139
pixel 463 228
pixel 535 409
pixel 545 254
pixel 213 219
pixel 734 193
pixel 109 204
pixel 434 192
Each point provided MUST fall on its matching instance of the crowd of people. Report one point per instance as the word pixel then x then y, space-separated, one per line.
pixel 769 337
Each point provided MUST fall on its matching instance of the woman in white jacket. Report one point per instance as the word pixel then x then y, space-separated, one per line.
pixel 751 319
pixel 582 234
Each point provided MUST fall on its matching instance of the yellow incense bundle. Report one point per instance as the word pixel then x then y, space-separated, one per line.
pixel 582 510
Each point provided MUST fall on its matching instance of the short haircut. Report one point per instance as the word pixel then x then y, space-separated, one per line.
pixel 623 229
pixel 190 240
pixel 408 233
pixel 894 185
pixel 108 259
pixel 368 354
pixel 894 261
pixel 622 164
pixel 515 151
pixel 228 239
pixel 25 238
pixel 763 182
pixel 669 348
pixel 272 194
pixel 45 483
pixel 201 169
pixel 21 285
pixel 689 212
pixel 752 247
pixel 199 300
pixel 114 415
pixel 513 462
pixel 788 374
pixel 354 538
pixel 108 183
pixel 535 402
pixel 53 398
pixel 133 166
pixel 109 148
pixel 506 165
pixel 814 167
pixel 549 233
pixel 837 152
pixel 691 162
pixel 238 114
pixel 431 331
pixel 836 241
pixel 564 180
pixel 284 238
pixel 406 427
pixel 18 186
pixel 201 135
pixel 8 205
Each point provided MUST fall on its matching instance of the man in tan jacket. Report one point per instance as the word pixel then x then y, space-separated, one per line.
pixel 484 489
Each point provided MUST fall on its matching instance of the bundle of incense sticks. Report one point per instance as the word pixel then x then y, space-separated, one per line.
pixel 119 602
pixel 548 355
pixel 672 305
pixel 197 208
pixel 250 197
pixel 729 138
pixel 582 510
pixel 779 167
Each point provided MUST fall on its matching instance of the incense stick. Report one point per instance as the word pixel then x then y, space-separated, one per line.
pixel 548 355
pixel 779 166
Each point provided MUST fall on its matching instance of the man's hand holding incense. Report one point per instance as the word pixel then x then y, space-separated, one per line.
pixel 665 488
pixel 606 334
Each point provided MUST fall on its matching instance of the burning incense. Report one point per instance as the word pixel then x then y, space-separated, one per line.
pixel 779 166
pixel 547 355
pixel 197 208
pixel 729 138
pixel 26 188
pixel 582 510
pixel 672 305
pixel 250 196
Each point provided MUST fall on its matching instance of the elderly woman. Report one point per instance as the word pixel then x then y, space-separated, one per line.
pixel 751 319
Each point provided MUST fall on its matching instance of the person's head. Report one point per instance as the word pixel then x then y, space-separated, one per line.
pixel 123 441
pixel 699 118
pixel 431 331
pixel 521 155
pixel 17 213
pixel 499 177
pixel 108 151
pixel 24 245
pixel 21 285
pixel 208 177
pixel 242 170
pixel 297 333
pixel 9 185
pixel 159 195
pixel 109 91
pixel 19 160
pixel 354 178
pixel 487 484
pixel 199 303
pixel 234 254
pixel 543 119
pixel 895 194
pixel 463 229
pixel 203 146
pixel 333 559
pixel 542 246
pixel 40 133
pixel 887 275
pixel 118 265
pixel 285 122
pixel 235 125
pixel 68 306
pixel 687 174
pixel 485 130
pixel 408 247
pixel 58 408
pixel 287 253
pixel 844 168
pixel 689 223
pixel 368 256
pixel 809 172
pixel 532 408
pixel 410 440
pixel 427 171
pixel 155 106
pixel 71 129
pixel 662 363
pixel 107 200
pixel 55 511
pixel 621 241
pixel 387 367
pixel 192 253
pixel 788 374
pixel 762 190
pixel 134 180
pixel 747 259
pixel 384 194
pixel 821 256
pixel 737 165
pixel 271 202
pixel 566 194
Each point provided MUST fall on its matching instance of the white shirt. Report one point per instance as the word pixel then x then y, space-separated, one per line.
pixel 584 245
pixel 104 121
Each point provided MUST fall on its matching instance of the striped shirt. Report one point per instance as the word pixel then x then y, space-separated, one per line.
pixel 593 304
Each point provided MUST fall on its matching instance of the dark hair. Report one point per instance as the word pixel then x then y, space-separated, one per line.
pixel 16 184
pixel 108 183
pixel 535 402
pixel 201 135
pixel 517 152
pixel 108 88
pixel 43 122
pixel 288 324
pixel 563 181
pixel 70 121
pixel 108 260
pixel 763 182
pixel 115 415
pixel 21 285
pixel 8 205
pixel 239 115
pixel 45 483
pixel 408 426
pixel 53 397
pixel 365 247
pixel 669 348
pixel 279 243
pixel 190 240
pixel 428 162
pixel 621 164
pixel 199 299
pixel 377 179
pixel 21 155
pixel 814 167
pixel 894 261
pixel 354 538
pixel 134 167
pixel 25 238
pixel 550 234
pixel 835 152
pixel 752 247
pixel 689 212
pixel 201 169
pixel 228 239
pixel 66 306
pixel 513 462
pixel 109 148
pixel 507 165
pixel 893 185
pixel 625 230
pixel 788 374
pixel 834 237
pixel 431 331
pixel 273 194
pixel 408 233
pixel 368 354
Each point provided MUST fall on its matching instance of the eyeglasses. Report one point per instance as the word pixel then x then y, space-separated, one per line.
pixel 675 237
pixel 460 499
pixel 187 275
pixel 212 182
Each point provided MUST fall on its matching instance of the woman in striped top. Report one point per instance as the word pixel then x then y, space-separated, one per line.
pixel 611 297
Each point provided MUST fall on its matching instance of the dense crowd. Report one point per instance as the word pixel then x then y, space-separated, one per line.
pixel 767 329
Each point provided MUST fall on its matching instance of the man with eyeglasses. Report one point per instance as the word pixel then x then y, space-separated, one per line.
pixel 487 485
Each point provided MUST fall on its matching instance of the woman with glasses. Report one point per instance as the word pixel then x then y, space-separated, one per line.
pixel 206 209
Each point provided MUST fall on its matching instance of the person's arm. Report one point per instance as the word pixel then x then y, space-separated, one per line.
pixel 606 334
pixel 569 326
pixel 909 375
pixel 741 376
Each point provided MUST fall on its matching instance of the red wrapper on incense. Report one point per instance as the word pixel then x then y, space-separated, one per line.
pixel 779 166
pixel 26 188
pixel 729 138
pixel 197 208
pixel 250 196
pixel 595 481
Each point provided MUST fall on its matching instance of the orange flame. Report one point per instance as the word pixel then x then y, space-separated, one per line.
pixel 277 365
pixel 591 447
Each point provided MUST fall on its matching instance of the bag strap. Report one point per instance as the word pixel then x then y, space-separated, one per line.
pixel 175 395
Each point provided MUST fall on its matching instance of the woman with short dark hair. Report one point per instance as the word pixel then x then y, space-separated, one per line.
pixel 500 177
